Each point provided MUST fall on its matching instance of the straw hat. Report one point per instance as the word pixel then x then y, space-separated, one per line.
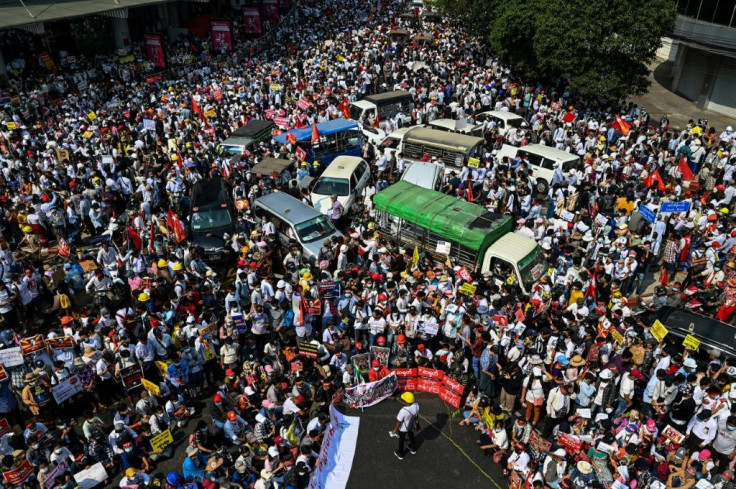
pixel 90 352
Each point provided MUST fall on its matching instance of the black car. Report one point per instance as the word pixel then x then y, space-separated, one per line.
pixel 712 333
pixel 212 216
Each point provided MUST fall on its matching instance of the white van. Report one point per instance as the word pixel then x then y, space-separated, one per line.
pixel 346 177
pixel 394 142
pixel 542 160
pixel 385 105
pixel 424 174
pixel 502 120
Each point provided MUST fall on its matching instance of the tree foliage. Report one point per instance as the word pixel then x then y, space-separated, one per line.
pixel 602 47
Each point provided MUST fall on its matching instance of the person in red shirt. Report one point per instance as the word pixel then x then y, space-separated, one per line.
pixel 377 372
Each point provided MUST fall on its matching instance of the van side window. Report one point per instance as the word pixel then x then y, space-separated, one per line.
pixel 499 122
pixel 534 159
pixel 548 164
pixel 362 168
pixel 570 165
pixel 353 181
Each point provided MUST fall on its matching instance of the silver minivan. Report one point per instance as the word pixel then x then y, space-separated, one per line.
pixel 295 221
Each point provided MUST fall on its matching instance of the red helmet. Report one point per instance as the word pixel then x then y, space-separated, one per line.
pixel 376 363
pixel 232 415
pixel 401 339
pixel 381 340
pixel 382 297
pixel 217 398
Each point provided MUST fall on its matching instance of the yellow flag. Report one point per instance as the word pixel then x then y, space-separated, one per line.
pixel 415 257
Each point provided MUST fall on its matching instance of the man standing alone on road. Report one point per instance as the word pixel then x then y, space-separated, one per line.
pixel 407 421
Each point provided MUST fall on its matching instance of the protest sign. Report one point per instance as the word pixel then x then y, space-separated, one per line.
pixel 468 289
pixel 473 162
pixel 252 20
pixel 20 474
pixel 307 349
pixel 11 125
pixel 61 342
pixel 430 373
pixel 365 395
pixel 221 36
pixel 155 50
pixel 691 342
pixel 66 389
pixel 337 451
pixel 31 344
pixel 91 476
pixel 380 353
pixel 162 440
pixel 150 386
pixel 658 330
pixel 62 154
pixel 428 385
pixel 444 247
pixel 538 446
pixel 617 336
pixel 149 125
pixel 11 357
pixel 464 274
pixel 131 376
pixel 162 367
pixel 569 442
pixel 239 322
pixel 672 434
pixel 60 468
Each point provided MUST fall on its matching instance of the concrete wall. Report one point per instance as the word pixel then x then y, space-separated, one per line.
pixel 705 33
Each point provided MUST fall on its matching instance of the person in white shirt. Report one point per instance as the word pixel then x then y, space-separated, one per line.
pixel 407 420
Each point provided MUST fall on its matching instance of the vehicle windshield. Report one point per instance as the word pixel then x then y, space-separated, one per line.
pixel 532 267
pixel 210 219
pixel 330 186
pixel 314 229
pixel 231 150
pixel 390 143
pixel 370 129
pixel 355 112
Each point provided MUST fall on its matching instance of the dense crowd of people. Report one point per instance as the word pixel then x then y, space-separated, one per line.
pixel 567 386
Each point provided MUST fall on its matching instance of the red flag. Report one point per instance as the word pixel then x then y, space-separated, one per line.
pixel 569 117
pixel 687 173
pixel 173 222
pixel 653 178
pixel 301 154
pixel 135 238
pixel 196 108
pixel 344 107
pixel 290 137
pixel 592 288
pixel 469 195
pixel 376 123
pixel 151 245
pixel 298 124
pixel 300 84
pixel 663 281
pixel 315 134
pixel 622 126
pixel 179 160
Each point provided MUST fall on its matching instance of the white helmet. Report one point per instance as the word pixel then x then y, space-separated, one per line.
pixel 280 284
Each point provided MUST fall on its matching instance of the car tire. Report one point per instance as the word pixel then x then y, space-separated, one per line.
pixel 542 186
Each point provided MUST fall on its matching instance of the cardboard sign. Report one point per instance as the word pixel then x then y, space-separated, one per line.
pixel 617 336
pixel 131 376
pixel 569 442
pixel 672 434
pixel 88 134
pixel 60 468
pixel 464 274
pixel 62 342
pixel 11 125
pixel 658 330
pixel 92 116
pixel 151 387
pixel 307 349
pixel 4 427
pixel 519 316
pixel 443 247
pixel 239 323
pixel 300 153
pixel 163 367
pixel 149 125
pixel 20 474
pixel 91 476
pixel 11 357
pixel 473 162
pixel 275 87
pixel 161 441
pixel 66 389
pixel 62 154
pixel 209 329
pixel 31 344
pixel 468 289
pixel 691 342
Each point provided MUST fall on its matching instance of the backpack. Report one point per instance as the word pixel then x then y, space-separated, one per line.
pixel 288 321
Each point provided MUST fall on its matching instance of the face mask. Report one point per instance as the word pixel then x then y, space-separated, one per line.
pixel 128 450
pixel 44 470
pixel 35 447
pixel 58 451
pixel 218 404
pixel 62 427
pixel 731 428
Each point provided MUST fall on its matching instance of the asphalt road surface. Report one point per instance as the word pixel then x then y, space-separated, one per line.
pixel 447 455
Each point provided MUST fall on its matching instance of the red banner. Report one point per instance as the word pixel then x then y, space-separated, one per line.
pixel 221 37
pixel 405 372
pixel 252 21
pixel 427 385
pixel 431 373
pixel 464 274
pixel 18 476
pixel 453 385
pixel 407 384
pixel 155 50
pixel 270 9
pixel 31 344
pixel 301 154
pixel 450 397
pixel 569 442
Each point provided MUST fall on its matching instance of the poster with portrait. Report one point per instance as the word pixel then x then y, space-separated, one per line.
pixel 252 21
pixel 380 353
pixel 155 50
pixel 221 36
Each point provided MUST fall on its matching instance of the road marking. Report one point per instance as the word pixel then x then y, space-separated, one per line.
pixel 460 449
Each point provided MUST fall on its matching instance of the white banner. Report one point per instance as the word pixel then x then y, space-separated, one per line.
pixel 91 476
pixel 338 450
pixel 66 389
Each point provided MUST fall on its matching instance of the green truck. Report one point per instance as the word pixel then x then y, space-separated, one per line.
pixel 471 235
